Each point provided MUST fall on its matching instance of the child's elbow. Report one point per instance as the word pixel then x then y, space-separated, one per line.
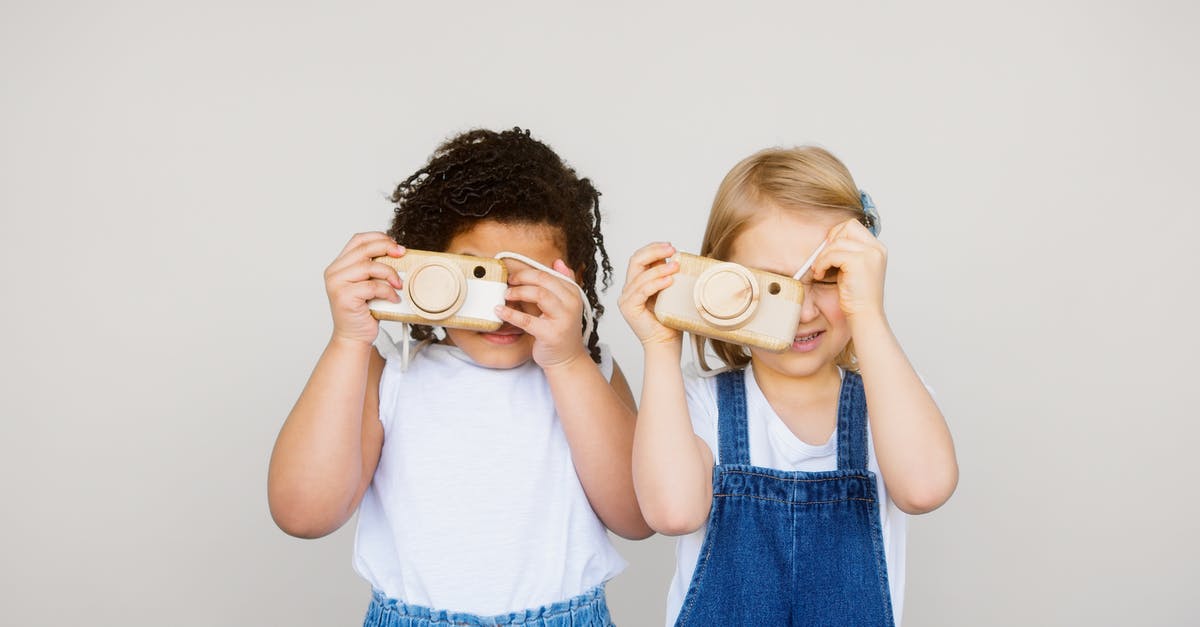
pixel 675 521
pixel 919 505
pixel 635 531
pixel 927 497
pixel 300 526
pixel 673 510
pixel 300 516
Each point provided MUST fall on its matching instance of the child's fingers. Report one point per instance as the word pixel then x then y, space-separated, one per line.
pixel 647 256
pixel 561 267
pixel 357 239
pixel 532 276
pixel 368 250
pixel 851 229
pixel 854 237
pixel 649 289
pixel 358 293
pixel 648 283
pixel 376 270
pixel 377 248
pixel 524 274
pixel 547 301
pixel 831 257
pixel 870 246
pixel 361 238
pixel 386 292
pixel 652 273
pixel 523 321
pixel 843 255
pixel 365 270
pixel 835 232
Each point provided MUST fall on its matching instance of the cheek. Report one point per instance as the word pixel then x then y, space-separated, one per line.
pixel 827 302
pixel 457 336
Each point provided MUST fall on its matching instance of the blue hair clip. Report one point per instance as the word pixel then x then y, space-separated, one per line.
pixel 874 225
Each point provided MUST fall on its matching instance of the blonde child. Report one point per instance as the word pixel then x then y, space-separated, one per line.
pixel 485 471
pixel 789 475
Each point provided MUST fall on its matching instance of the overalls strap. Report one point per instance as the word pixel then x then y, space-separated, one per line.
pixel 852 424
pixel 731 418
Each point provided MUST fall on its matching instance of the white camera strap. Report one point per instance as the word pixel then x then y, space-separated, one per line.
pixel 387 344
pixel 809 262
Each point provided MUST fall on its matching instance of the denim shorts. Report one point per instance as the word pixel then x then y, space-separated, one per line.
pixel 586 610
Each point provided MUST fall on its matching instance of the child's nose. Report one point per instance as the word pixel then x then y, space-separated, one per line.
pixel 808 309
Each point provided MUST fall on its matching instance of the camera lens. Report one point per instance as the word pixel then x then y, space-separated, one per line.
pixel 436 289
pixel 726 295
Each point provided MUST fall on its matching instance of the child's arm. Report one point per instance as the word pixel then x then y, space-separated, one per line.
pixel 598 419
pixel 597 416
pixel 329 445
pixel 672 466
pixel 912 442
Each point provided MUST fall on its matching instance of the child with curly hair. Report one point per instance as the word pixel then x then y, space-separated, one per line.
pixel 485 471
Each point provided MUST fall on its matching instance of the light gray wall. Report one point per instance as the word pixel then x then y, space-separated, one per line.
pixel 176 177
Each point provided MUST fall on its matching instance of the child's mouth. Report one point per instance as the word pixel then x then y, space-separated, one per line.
pixel 506 334
pixel 807 342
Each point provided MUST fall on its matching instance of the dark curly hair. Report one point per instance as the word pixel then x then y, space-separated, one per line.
pixel 511 178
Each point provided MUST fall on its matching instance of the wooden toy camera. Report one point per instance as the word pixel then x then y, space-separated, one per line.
pixel 445 290
pixel 729 302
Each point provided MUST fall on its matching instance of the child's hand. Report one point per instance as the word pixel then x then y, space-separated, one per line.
pixel 556 322
pixel 353 279
pixel 647 276
pixel 861 261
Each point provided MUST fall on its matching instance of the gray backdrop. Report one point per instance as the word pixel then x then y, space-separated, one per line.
pixel 176 176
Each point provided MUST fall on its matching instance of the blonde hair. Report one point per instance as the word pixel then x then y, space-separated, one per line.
pixel 805 178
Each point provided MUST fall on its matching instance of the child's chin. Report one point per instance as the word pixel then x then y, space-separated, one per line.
pixel 794 363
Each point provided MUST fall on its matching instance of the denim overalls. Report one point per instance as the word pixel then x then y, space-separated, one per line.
pixel 586 610
pixel 790 548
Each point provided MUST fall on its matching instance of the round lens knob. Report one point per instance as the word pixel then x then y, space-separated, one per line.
pixel 436 289
pixel 726 295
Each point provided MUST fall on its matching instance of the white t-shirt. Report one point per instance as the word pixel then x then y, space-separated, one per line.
pixel 773 445
pixel 475 505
